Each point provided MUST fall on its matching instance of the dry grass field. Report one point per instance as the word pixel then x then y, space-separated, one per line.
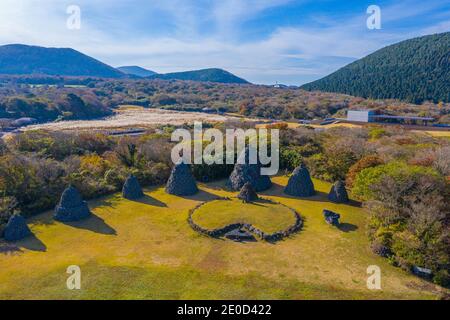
pixel 146 250
pixel 132 117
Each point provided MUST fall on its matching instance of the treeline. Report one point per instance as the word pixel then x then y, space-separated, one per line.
pixel 102 97
pixel 64 106
pixel 415 70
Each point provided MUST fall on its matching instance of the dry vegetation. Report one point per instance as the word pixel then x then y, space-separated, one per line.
pixel 133 117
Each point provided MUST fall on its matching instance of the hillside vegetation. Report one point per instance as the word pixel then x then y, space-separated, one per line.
pixel 136 71
pixel 205 75
pixel 22 59
pixel 246 100
pixel 414 70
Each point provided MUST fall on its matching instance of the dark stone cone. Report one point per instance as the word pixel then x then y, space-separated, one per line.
pixel 338 193
pixel 248 194
pixel 16 228
pixel 132 189
pixel 331 217
pixel 71 206
pixel 251 173
pixel 181 181
pixel 300 183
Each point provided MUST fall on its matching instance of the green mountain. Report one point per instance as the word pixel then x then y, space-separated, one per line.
pixel 207 75
pixel 136 71
pixel 21 59
pixel 414 70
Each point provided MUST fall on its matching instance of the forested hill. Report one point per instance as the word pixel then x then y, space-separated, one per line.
pixel 414 70
pixel 136 71
pixel 18 59
pixel 206 75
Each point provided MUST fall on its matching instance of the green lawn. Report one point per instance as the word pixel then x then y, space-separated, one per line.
pixel 146 250
pixel 267 217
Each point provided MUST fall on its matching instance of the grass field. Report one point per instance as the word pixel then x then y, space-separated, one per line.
pixel 146 250
pixel 267 217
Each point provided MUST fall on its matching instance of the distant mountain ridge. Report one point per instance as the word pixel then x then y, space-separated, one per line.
pixel 414 70
pixel 136 71
pixel 206 75
pixel 19 59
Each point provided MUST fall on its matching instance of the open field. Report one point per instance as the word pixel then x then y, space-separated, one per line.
pixel 268 217
pixel 131 116
pixel 146 250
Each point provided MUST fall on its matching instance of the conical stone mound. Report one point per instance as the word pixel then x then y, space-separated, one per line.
pixel 16 229
pixel 181 181
pixel 300 183
pixel 132 189
pixel 248 194
pixel 71 207
pixel 247 172
pixel 338 193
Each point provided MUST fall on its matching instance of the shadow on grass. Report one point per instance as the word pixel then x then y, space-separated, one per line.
pixel 108 201
pixel 202 196
pixel 347 227
pixel 277 190
pixel 43 219
pixel 150 201
pixel 95 224
pixel 219 185
pixel 9 248
pixel 31 243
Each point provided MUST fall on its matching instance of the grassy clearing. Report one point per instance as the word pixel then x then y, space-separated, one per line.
pixel 438 134
pixel 146 250
pixel 268 217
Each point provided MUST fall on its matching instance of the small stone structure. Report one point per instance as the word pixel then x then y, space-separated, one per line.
pixel 16 228
pixel 331 217
pixel 338 193
pixel 239 235
pixel 245 172
pixel 132 189
pixel 248 194
pixel 300 183
pixel 181 181
pixel 71 207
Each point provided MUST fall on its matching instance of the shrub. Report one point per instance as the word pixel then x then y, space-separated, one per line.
pixel 364 163
pixel 398 171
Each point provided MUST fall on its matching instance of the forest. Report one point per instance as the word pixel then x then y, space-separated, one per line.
pixel 414 70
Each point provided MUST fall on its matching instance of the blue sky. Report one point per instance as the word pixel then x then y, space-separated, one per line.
pixel 263 41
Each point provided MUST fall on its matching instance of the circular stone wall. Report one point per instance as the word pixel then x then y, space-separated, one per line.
pixel 266 219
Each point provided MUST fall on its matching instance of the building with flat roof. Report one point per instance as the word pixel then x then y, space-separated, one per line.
pixel 372 116
pixel 360 115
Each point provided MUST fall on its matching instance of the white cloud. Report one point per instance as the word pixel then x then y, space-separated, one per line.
pixel 297 53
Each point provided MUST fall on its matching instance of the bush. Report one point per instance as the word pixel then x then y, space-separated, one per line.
pixel 364 163
pixel 398 171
